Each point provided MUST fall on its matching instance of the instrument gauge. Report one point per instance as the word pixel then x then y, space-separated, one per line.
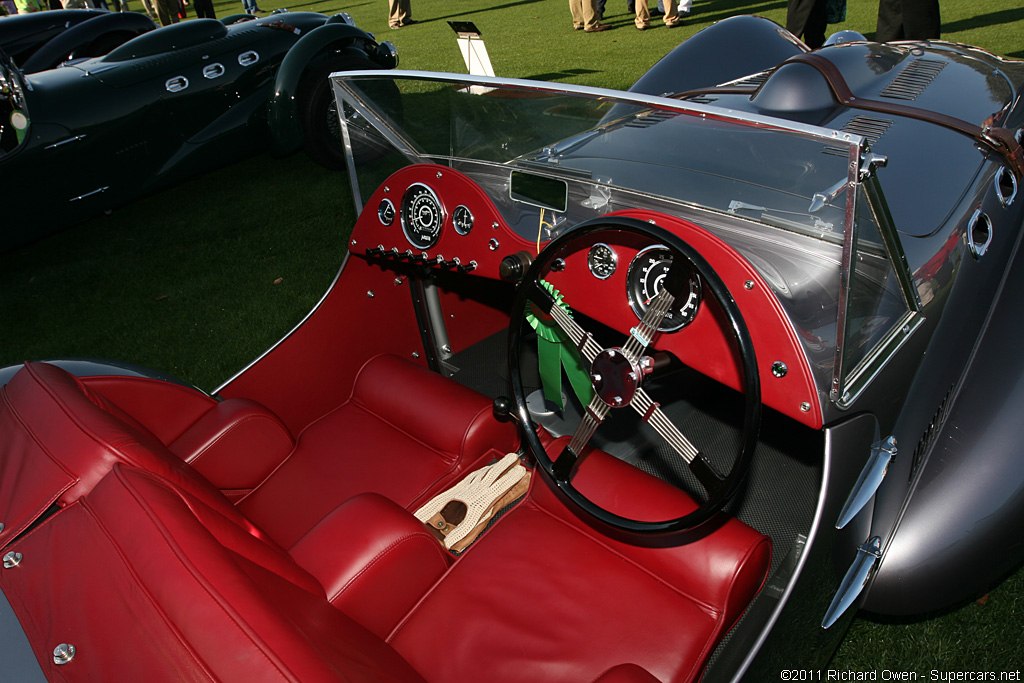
pixel 422 216
pixel 644 281
pixel 386 212
pixel 602 261
pixel 462 219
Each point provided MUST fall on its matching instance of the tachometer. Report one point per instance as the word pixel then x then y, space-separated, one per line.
pixel 422 216
pixel 644 280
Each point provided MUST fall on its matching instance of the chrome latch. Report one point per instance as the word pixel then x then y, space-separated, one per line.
pixel 882 454
pixel 868 555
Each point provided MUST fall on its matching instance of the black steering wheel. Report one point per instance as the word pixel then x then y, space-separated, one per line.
pixel 617 374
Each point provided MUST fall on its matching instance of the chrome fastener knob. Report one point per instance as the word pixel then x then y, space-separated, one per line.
pixel 63 653
pixel 12 559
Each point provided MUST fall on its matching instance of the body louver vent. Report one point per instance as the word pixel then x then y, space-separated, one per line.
pixel 931 432
pixel 913 80
pixel 871 128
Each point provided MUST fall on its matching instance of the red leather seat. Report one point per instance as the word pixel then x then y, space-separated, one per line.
pixel 405 443
pixel 60 438
pixel 544 597
pixel 149 583
pixel 404 432
pixel 151 573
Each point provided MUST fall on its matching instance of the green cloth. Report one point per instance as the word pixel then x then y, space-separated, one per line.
pixel 555 352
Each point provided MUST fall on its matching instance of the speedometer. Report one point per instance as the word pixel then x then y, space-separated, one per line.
pixel 422 216
pixel 644 280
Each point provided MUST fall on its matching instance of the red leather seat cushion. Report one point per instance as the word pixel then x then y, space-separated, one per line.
pixel 543 597
pixel 405 433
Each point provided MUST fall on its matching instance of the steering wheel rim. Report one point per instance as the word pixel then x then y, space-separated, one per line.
pixel 724 487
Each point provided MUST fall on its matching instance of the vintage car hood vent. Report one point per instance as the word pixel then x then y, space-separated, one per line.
pixel 651 118
pixel 871 128
pixel 913 80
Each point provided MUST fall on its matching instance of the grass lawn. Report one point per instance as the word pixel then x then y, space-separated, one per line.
pixel 198 280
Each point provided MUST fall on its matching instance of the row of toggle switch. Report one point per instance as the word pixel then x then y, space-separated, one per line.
pixel 439 261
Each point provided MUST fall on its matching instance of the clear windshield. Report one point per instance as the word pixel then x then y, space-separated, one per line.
pixel 551 156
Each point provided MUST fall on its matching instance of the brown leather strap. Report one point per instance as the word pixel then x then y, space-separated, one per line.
pixel 998 139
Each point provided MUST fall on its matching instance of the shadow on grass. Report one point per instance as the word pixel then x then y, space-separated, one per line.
pixel 483 10
pixel 1006 16
pixel 560 75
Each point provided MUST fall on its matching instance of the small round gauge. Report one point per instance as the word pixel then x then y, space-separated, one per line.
pixel 422 216
pixel 602 261
pixel 644 281
pixel 462 219
pixel 386 212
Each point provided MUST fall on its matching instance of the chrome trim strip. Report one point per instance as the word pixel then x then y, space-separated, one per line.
pixel 825 134
pixel 98 190
pixel 846 270
pixel 64 142
pixel 302 322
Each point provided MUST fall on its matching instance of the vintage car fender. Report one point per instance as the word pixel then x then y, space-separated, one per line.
pixel 282 109
pixel 91 38
pixel 940 553
pixel 727 50
pixel 23 34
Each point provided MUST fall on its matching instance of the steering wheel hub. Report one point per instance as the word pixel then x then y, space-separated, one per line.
pixel 616 377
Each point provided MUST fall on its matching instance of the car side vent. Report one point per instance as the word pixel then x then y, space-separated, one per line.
pixel 913 80
pixel 651 118
pixel 872 128
pixel 752 81
pixel 931 432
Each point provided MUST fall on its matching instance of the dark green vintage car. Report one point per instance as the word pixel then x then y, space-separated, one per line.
pixel 90 136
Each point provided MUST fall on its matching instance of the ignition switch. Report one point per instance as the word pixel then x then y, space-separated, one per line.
pixel 514 266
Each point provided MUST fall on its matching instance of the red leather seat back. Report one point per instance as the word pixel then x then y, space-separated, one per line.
pixel 149 583
pixel 61 438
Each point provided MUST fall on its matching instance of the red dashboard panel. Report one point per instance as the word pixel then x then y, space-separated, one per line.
pixel 703 344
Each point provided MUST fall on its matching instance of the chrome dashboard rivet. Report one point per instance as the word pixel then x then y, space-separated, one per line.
pixel 1 527
pixel 63 653
pixel 398 281
pixel 370 294
pixel 749 284
pixel 493 244
pixel 494 225
pixel 438 175
pixel 353 243
pixel 12 559
pixel 779 369
pixel 415 354
pixel 805 407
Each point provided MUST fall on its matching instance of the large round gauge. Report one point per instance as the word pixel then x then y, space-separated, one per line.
pixel 602 261
pixel 422 216
pixel 644 281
